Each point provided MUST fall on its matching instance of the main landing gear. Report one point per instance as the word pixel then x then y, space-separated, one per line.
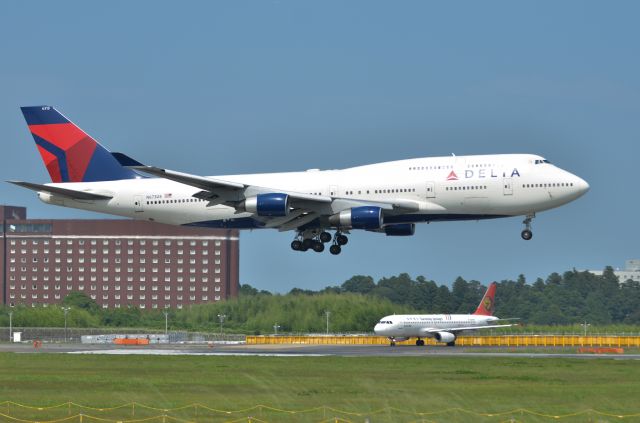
pixel 420 342
pixel 526 234
pixel 338 241
pixel 305 241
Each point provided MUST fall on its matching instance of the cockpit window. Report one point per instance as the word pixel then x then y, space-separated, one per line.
pixel 540 161
pixel 386 322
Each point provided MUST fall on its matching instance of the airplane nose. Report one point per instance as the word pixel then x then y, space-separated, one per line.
pixel 581 185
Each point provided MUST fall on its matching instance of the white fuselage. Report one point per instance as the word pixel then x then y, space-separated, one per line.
pixel 445 188
pixel 404 326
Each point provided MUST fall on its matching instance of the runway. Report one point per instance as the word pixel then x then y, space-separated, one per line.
pixel 309 351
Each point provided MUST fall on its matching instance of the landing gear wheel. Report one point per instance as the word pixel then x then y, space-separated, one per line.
pixel 296 245
pixel 393 343
pixel 307 243
pixel 451 344
pixel 318 247
pixel 335 249
pixel 325 237
pixel 419 342
pixel 526 234
pixel 342 239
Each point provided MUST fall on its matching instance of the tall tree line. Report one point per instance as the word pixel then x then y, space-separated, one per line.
pixel 358 303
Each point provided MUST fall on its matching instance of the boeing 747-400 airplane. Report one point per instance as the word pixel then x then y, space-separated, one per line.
pixel 442 327
pixel 389 197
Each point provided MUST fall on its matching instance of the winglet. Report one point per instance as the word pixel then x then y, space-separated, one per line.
pixel 126 161
pixel 487 305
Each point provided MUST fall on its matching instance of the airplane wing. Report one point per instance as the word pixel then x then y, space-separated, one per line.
pixel 306 207
pixel 62 192
pixel 462 328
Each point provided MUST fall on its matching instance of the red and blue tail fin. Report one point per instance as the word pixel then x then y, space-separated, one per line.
pixel 487 305
pixel 70 154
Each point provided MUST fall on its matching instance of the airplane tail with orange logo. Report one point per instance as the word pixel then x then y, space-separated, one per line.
pixel 487 305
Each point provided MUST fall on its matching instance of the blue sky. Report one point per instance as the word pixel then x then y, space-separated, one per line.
pixel 245 87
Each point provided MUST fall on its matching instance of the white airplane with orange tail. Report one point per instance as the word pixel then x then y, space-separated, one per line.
pixel 442 327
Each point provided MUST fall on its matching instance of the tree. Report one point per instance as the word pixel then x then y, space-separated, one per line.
pixel 80 300
pixel 359 284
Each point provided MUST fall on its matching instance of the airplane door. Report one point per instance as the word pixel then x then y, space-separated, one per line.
pixel 507 185
pixel 137 204
pixel 431 190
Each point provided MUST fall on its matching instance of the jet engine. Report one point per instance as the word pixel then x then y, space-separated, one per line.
pixel 365 217
pixel 272 204
pixel 400 229
pixel 444 337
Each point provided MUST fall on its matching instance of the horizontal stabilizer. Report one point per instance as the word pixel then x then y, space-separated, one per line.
pixel 62 192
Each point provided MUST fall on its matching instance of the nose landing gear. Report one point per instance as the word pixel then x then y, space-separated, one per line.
pixel 526 234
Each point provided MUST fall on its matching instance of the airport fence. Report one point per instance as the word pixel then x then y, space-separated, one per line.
pixel 471 341
pixel 196 413
pixel 75 335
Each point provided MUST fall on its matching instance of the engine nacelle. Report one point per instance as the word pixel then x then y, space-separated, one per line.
pixel 444 337
pixel 400 229
pixel 365 217
pixel 272 204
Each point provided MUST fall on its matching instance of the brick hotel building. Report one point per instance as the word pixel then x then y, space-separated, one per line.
pixel 118 263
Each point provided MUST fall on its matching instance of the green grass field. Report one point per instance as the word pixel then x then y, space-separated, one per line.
pixel 359 385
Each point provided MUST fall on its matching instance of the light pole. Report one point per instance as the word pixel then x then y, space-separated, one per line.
pixel 66 310
pixel 585 325
pixel 221 317
pixel 327 313
pixel 166 322
pixel 11 326
pixel 275 328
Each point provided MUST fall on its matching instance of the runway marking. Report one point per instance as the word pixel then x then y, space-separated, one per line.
pixel 179 352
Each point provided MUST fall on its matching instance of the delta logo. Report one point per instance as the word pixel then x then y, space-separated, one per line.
pixel 482 174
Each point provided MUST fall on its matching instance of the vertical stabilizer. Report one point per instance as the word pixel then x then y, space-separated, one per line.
pixel 487 305
pixel 70 154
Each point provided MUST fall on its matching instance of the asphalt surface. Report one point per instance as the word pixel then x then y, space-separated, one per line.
pixel 307 350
